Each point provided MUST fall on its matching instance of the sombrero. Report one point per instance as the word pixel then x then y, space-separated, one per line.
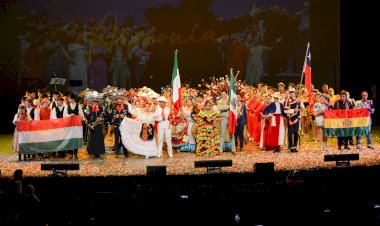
pixel 94 96
pixel 109 89
pixel 85 92
pixel 117 94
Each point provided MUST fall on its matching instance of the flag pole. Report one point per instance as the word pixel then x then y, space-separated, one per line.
pixel 299 88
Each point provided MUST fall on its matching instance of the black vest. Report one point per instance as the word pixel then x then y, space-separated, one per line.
pixel 75 111
pixel 58 112
pixel 32 113
pixel 53 105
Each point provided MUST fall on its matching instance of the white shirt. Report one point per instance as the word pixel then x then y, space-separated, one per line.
pixel 162 124
pixel 278 108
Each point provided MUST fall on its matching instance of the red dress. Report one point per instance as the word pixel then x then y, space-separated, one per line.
pixel 45 113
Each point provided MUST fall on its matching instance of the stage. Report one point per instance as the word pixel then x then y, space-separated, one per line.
pixel 308 157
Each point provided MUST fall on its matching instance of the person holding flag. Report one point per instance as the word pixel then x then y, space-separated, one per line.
pixel 228 112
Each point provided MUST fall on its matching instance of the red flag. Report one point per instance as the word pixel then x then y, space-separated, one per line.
pixel 307 70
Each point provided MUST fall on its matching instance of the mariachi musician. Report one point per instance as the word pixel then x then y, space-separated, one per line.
pixel 119 111
pixel 94 120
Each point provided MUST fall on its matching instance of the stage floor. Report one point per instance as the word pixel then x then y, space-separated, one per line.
pixel 309 157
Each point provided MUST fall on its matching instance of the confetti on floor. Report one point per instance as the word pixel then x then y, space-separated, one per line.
pixel 309 156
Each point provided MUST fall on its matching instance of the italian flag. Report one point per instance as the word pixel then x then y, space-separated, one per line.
pixel 233 105
pixel 346 123
pixel 176 84
pixel 43 136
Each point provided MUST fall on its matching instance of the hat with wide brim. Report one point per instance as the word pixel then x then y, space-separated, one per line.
pixel 94 97
pixel 117 95
pixel 109 89
pixel 85 92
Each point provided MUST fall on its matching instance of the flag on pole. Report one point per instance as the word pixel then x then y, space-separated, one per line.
pixel 232 99
pixel 307 70
pixel 176 85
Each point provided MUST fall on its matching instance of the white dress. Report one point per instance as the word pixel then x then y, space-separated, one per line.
pixel 190 126
pixel 130 130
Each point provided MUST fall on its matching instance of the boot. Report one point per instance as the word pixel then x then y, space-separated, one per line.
pixel 75 152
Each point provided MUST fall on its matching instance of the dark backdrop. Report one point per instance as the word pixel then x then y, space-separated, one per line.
pixel 340 51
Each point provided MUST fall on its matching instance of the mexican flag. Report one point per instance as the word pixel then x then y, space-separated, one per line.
pixel 233 104
pixel 176 84
pixel 346 123
pixel 41 136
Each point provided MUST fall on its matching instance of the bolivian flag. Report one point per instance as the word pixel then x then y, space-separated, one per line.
pixel 346 123
pixel 41 136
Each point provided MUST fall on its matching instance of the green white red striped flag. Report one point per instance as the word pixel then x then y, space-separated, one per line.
pixel 232 99
pixel 41 136
pixel 176 84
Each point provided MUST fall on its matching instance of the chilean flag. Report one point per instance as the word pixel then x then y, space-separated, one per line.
pixel 307 70
pixel 176 84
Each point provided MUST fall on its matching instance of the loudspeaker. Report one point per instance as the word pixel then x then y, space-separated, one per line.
pixel 212 163
pixel 342 160
pixel 264 168
pixel 213 166
pixel 342 157
pixel 156 170
pixel 47 166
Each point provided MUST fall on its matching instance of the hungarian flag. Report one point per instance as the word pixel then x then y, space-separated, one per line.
pixel 232 99
pixel 176 84
pixel 41 136
pixel 307 70
pixel 346 123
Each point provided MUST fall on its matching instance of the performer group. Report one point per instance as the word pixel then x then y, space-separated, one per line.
pixel 140 121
